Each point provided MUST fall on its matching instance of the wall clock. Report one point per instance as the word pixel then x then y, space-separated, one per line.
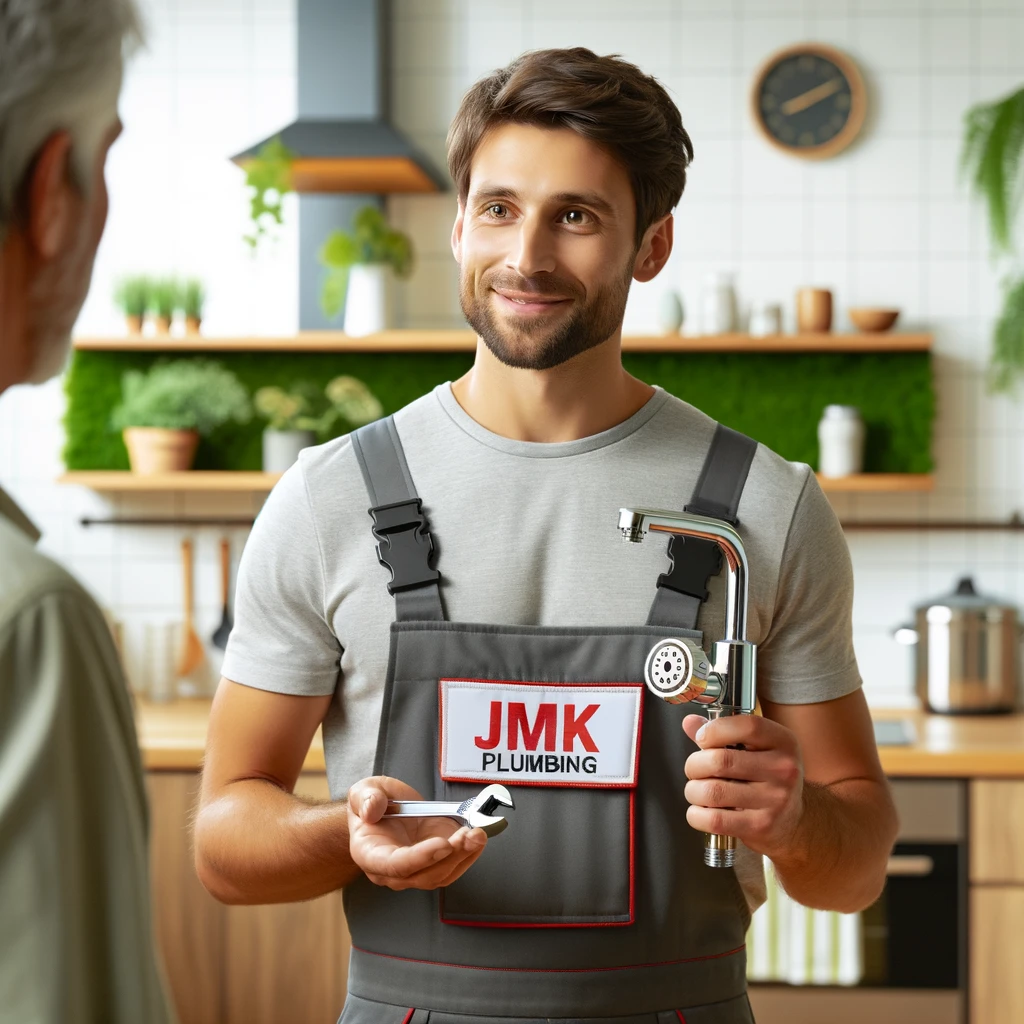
pixel 809 100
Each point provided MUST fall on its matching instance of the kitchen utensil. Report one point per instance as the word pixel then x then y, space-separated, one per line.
pixel 967 652
pixel 765 319
pixel 813 309
pixel 718 304
pixel 868 318
pixel 476 812
pixel 191 654
pixel 840 441
pixel 223 631
pixel 678 671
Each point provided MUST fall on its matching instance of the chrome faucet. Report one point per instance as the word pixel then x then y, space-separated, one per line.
pixel 678 671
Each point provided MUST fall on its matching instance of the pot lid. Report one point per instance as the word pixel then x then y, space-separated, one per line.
pixel 965 598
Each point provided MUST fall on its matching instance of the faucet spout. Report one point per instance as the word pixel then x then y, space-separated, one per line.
pixel 635 523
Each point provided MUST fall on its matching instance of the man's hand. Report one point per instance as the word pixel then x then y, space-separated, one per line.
pixel 755 794
pixel 406 853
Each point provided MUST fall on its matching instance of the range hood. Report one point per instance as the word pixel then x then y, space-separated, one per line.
pixel 342 139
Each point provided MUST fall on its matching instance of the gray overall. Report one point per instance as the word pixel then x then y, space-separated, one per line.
pixel 594 903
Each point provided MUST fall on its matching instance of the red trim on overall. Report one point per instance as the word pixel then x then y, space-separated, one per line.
pixel 679 1014
pixel 558 970
pixel 538 782
pixel 412 1010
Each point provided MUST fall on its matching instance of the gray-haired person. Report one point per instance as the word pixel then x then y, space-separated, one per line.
pixel 76 940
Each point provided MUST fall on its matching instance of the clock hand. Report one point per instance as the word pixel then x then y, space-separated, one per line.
pixel 812 96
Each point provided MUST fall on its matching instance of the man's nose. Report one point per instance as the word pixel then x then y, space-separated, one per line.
pixel 534 253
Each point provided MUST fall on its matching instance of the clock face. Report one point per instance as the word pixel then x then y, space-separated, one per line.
pixel 809 101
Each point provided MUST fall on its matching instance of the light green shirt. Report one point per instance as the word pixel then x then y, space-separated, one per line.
pixel 76 937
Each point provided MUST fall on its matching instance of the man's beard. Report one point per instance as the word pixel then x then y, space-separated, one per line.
pixel 524 345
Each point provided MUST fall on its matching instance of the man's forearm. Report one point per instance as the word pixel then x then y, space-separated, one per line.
pixel 837 856
pixel 256 843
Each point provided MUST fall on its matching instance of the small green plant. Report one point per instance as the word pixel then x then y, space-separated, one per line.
pixel 305 407
pixel 191 298
pixel 132 295
pixel 164 297
pixel 370 241
pixel 992 157
pixel 182 394
pixel 1008 338
pixel 269 175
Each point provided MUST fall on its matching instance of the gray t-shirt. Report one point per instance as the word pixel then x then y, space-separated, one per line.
pixel 526 534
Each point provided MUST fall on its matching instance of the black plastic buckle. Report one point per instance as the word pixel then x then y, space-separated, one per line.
pixel 405 544
pixel 694 561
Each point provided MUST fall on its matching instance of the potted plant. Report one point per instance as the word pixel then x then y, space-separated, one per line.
pixel 361 267
pixel 131 293
pixel 163 412
pixel 993 158
pixel 163 301
pixel 268 174
pixel 297 415
pixel 192 298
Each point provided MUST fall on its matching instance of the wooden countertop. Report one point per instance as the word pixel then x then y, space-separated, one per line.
pixel 172 736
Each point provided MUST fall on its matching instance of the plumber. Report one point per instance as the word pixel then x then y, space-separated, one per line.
pixel 487 605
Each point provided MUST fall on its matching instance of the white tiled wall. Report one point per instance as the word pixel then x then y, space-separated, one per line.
pixel 886 222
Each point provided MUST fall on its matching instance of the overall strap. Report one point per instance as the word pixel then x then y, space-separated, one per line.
pixel 683 589
pixel 404 544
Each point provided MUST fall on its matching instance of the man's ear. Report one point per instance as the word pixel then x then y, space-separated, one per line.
pixel 51 197
pixel 457 233
pixel 655 249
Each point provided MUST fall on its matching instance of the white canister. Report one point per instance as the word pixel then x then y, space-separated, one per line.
pixel 841 441
pixel 281 448
pixel 718 304
pixel 369 299
pixel 765 319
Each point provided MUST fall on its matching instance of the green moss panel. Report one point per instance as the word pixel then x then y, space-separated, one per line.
pixel 775 398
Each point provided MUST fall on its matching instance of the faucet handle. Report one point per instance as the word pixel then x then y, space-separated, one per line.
pixel 678 671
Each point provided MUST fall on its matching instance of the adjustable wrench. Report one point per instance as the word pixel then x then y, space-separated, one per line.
pixel 476 812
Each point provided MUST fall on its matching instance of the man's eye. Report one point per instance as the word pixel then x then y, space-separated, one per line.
pixel 575 217
pixel 497 210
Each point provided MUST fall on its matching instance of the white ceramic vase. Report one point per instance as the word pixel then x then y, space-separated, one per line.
pixel 670 313
pixel 281 448
pixel 369 299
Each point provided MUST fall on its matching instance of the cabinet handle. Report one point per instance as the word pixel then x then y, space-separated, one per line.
pixel 910 865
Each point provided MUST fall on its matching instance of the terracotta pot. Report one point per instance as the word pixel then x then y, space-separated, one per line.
pixel 163 324
pixel 156 450
pixel 134 324
pixel 813 309
pixel 192 325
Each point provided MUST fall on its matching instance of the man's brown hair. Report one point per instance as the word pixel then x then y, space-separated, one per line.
pixel 605 99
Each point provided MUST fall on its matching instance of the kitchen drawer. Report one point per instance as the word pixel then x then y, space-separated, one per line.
pixel 997 831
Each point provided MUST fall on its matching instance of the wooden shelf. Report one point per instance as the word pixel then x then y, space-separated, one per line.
pixel 465 341
pixel 204 480
pixel 194 480
pixel 878 482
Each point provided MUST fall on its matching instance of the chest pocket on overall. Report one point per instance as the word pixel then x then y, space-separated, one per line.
pixel 569 753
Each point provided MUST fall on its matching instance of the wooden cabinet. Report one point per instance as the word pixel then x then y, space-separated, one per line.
pixel 996 900
pixel 239 965
pixel 997 831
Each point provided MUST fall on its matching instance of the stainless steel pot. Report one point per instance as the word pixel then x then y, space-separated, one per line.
pixel 967 652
